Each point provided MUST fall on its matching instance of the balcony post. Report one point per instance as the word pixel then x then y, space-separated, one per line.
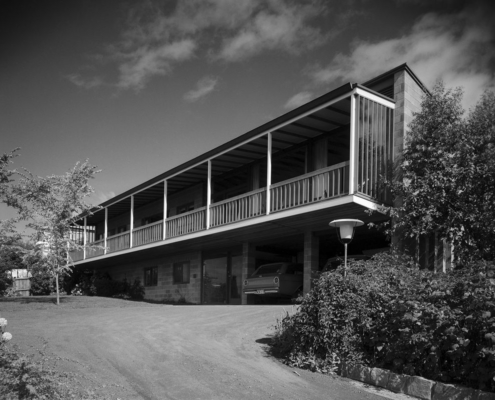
pixel 85 237
pixel 131 223
pixel 165 210
pixel 268 173
pixel 105 232
pixel 353 145
pixel 208 196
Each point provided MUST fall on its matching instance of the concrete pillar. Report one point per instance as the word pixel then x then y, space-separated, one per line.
pixel 248 267
pixel 311 259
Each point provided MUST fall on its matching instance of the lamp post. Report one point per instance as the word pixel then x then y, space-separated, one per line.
pixel 345 233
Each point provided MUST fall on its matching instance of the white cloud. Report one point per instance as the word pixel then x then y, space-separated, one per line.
pixel 457 48
pixel 282 26
pixel 86 83
pixel 104 196
pixel 158 36
pixel 298 99
pixel 203 87
pixel 145 62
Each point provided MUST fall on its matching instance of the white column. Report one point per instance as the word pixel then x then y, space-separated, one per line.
pixel 105 232
pixel 85 237
pixel 165 209
pixel 131 223
pixel 352 152
pixel 208 196
pixel 268 173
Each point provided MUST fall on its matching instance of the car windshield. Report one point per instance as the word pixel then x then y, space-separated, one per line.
pixel 268 269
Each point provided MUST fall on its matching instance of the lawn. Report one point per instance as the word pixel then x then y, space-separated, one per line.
pixel 137 350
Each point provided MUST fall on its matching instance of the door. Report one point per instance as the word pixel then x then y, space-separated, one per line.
pixel 222 280
pixel 215 281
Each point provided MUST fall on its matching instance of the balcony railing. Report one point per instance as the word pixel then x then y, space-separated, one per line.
pixel 310 188
pixel 192 221
pixel 147 234
pixel 96 251
pixel 118 242
pixel 306 189
pixel 77 255
pixel 245 206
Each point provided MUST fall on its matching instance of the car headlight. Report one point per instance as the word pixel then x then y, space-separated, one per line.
pixel 275 280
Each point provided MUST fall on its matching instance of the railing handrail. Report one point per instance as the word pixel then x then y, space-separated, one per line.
pixel 118 234
pixel 231 199
pixel 310 174
pixel 186 213
pixel 147 225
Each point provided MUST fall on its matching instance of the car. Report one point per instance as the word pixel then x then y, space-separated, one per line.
pixel 280 279
pixel 334 262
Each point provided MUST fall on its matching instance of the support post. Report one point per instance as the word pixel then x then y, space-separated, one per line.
pixel 85 237
pixel 105 233
pixel 165 209
pixel 248 267
pixel 268 173
pixel 311 259
pixel 131 223
pixel 208 196
pixel 353 146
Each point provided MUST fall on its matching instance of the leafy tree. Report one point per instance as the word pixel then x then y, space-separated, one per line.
pixel 446 176
pixel 50 206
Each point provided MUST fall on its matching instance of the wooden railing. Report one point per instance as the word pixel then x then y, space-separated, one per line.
pixel 147 234
pixel 118 242
pixel 245 206
pixel 310 188
pixel 77 255
pixel 97 251
pixel 192 221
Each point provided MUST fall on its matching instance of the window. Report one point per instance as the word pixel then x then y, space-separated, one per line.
pixel 185 208
pixel 181 272
pixel 151 219
pixel 151 276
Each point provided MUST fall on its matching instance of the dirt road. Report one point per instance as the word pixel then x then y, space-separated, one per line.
pixel 132 350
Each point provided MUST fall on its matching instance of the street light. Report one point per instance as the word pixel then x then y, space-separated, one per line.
pixel 345 233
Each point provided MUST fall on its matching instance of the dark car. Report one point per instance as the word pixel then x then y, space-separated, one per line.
pixel 277 279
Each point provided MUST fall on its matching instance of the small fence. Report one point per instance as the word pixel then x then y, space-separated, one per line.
pixel 147 234
pixel 190 222
pixel 245 206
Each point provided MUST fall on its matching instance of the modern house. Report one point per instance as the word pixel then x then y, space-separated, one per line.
pixel 198 230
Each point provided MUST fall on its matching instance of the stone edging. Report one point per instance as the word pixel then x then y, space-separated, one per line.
pixel 415 386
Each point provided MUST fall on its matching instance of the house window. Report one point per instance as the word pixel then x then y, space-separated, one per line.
pixel 151 219
pixel 185 208
pixel 181 272
pixel 151 276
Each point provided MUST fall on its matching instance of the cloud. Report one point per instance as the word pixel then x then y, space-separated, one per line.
pixel 145 62
pixel 282 26
pixel 298 99
pixel 158 36
pixel 203 87
pixel 104 196
pixel 457 48
pixel 86 83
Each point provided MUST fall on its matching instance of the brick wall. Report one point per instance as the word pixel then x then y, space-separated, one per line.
pixel 166 289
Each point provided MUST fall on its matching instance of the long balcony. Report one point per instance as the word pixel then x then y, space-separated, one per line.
pixel 342 147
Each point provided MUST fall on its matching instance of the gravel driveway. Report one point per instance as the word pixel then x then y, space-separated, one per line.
pixel 134 350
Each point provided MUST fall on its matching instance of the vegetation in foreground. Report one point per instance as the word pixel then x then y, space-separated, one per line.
pixel 387 313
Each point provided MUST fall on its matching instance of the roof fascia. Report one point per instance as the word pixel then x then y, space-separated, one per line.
pixel 402 67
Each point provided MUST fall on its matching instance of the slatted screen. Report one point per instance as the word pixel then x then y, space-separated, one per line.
pixel 374 130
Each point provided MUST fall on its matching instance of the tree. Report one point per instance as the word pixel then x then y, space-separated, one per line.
pixel 50 206
pixel 445 181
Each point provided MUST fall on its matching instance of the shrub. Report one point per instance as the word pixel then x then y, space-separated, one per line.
pixel 389 314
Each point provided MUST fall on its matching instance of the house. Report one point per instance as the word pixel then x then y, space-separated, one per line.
pixel 198 230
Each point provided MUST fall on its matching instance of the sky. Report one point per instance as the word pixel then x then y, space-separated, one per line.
pixel 139 87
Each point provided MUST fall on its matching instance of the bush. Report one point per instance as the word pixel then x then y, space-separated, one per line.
pixel 101 284
pixel 389 314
